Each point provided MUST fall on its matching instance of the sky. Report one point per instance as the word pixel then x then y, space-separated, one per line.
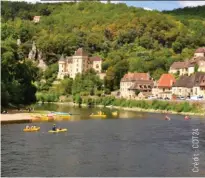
pixel 152 5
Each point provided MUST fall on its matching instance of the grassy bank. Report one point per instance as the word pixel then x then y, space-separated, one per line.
pixel 177 107
pixel 142 105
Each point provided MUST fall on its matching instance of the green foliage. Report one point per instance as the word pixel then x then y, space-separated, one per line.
pixel 47 97
pixel 155 104
pixel 196 68
pixel 65 86
pixel 87 82
pixel 17 76
pixel 191 12
pixel 78 99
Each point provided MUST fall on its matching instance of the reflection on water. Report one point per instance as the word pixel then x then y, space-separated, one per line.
pixel 133 144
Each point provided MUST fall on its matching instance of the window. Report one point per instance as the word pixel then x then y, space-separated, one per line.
pixel 97 66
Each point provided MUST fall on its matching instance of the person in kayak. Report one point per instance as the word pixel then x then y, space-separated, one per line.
pixel 54 127
pixel 167 118
pixel 186 118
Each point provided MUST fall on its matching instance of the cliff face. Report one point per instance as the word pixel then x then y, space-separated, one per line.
pixel 37 55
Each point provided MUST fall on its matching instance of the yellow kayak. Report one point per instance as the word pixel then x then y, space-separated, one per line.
pixel 114 113
pixel 57 130
pixel 31 129
pixel 61 117
pixel 96 115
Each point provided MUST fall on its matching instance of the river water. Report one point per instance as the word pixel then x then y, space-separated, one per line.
pixel 133 144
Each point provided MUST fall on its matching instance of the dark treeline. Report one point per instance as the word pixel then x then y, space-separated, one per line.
pixel 195 12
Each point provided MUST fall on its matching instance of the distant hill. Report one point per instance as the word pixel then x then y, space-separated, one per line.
pixel 127 38
pixel 190 12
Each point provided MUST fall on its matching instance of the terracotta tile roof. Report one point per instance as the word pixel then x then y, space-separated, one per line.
pixel 135 76
pixel 95 58
pixel 166 81
pixel 80 52
pixel 200 50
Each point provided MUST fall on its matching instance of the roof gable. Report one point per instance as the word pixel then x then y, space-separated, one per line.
pixel 80 52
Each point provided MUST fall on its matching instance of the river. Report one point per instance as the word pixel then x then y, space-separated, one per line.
pixel 133 144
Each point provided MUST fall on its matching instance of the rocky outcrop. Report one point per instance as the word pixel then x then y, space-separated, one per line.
pixel 33 53
pixel 18 42
pixel 37 55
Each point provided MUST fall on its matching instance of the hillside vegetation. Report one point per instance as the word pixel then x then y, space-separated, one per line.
pixel 127 38
pixel 191 12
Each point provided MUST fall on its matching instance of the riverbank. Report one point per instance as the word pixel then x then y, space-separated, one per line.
pixel 16 118
pixel 19 117
pixel 133 109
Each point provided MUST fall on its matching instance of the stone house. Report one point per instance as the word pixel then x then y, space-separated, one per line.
pixel 188 86
pixel 135 81
pixel 163 87
pixel 80 62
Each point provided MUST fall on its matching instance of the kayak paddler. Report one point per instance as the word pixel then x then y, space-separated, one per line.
pixel 186 118
pixel 167 118
pixel 54 127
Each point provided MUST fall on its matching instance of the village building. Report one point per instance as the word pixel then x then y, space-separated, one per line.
pixel 36 19
pixel 182 68
pixel 163 87
pixel 132 82
pixel 188 67
pixel 79 63
pixel 187 86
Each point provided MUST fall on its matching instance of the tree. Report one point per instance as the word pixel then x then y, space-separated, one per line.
pixel 196 68
pixel 78 100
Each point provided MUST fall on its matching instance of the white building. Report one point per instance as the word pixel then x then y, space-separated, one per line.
pixel 78 63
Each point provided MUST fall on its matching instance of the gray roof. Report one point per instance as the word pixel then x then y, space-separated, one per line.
pixel 189 81
pixel 62 58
